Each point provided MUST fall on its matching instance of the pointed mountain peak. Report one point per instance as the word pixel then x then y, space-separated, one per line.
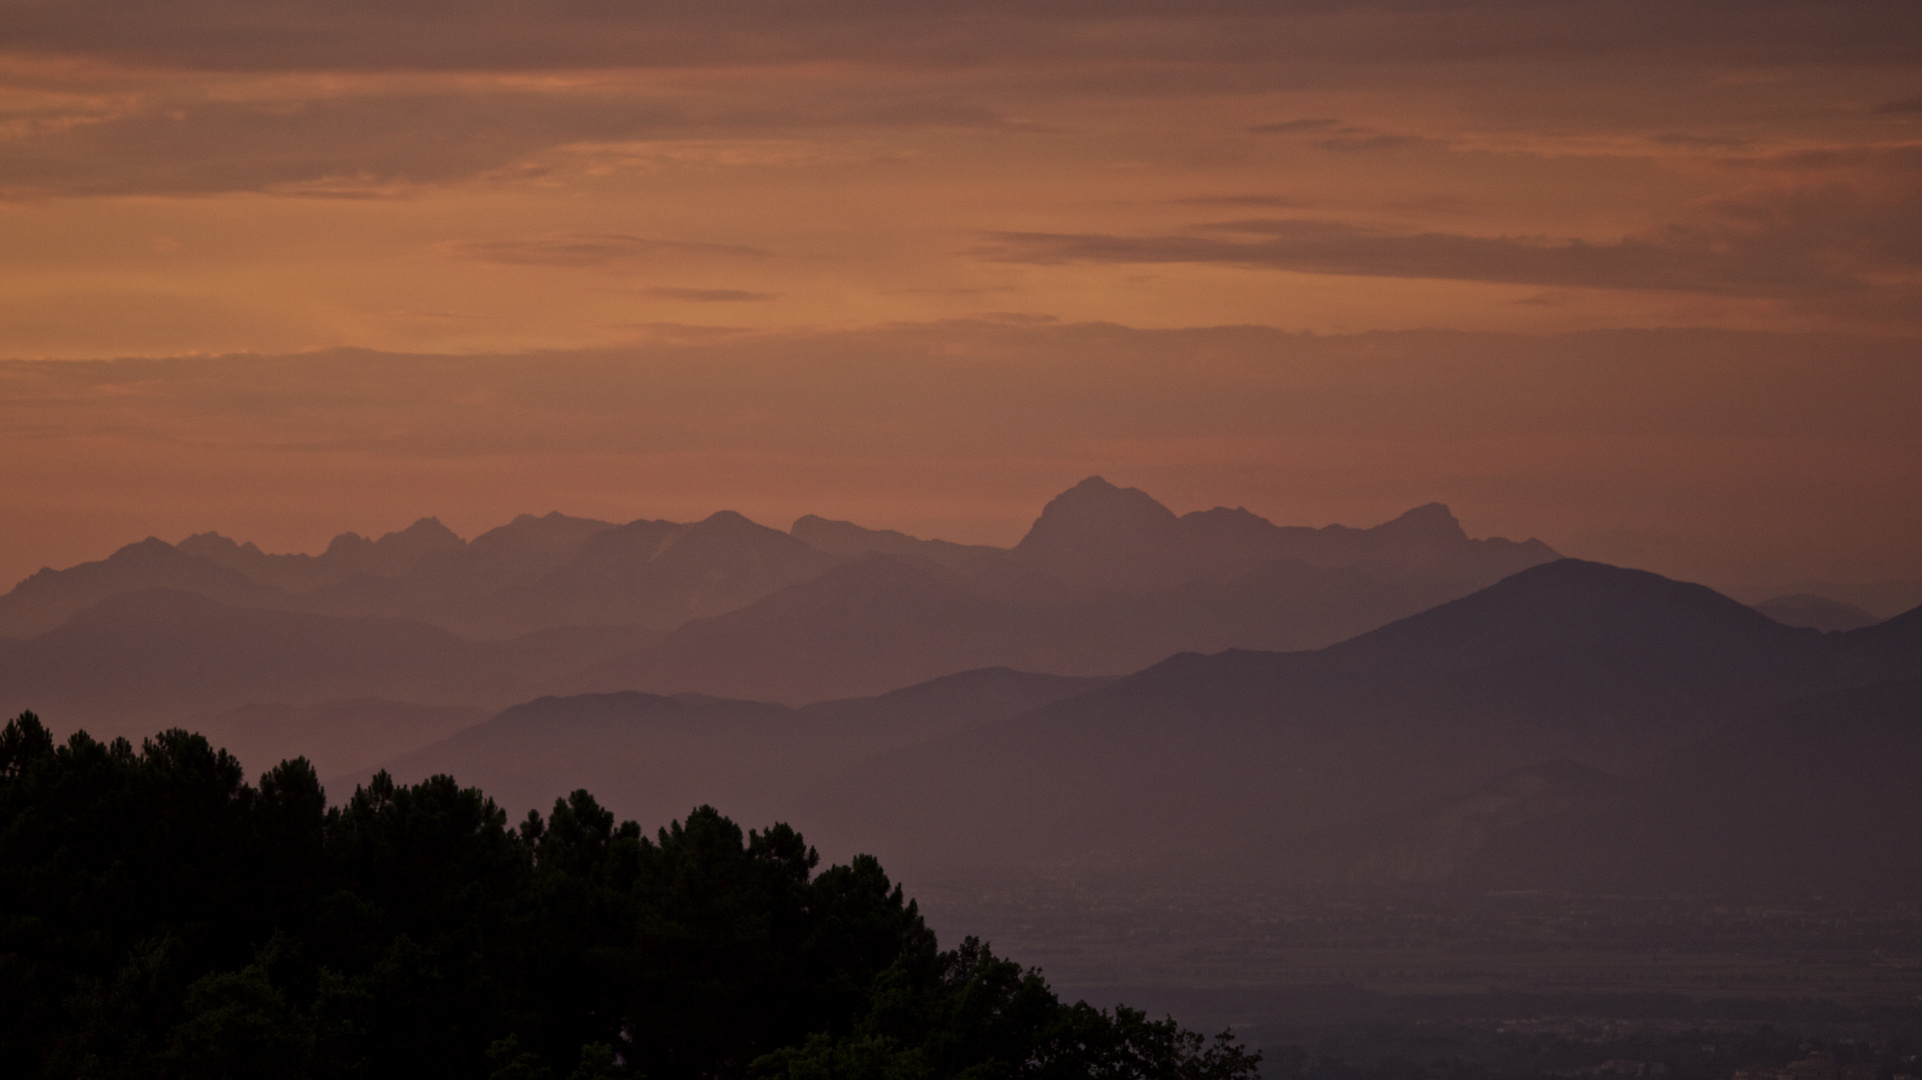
pixel 551 533
pixel 1095 508
pixel 209 541
pixel 1096 491
pixel 726 517
pixel 1097 535
pixel 427 532
pixel 1432 520
pixel 221 549
pixel 347 542
pixel 149 547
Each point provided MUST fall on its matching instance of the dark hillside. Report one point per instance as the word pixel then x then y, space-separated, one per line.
pixel 1201 756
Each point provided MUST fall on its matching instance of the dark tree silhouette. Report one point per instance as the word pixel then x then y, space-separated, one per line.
pixel 159 917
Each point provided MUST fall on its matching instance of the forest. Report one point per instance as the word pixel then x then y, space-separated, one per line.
pixel 162 917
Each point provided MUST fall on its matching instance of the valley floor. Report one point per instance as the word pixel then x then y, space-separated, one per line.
pixel 1497 986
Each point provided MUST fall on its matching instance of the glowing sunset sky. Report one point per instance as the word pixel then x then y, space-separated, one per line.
pixel 1657 268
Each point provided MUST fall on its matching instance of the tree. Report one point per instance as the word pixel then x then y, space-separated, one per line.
pixel 161 917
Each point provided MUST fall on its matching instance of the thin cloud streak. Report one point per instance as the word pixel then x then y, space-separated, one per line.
pixel 1290 127
pixel 1320 247
pixel 712 296
pixel 587 250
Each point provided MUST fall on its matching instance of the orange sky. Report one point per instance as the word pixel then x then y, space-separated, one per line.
pixel 923 265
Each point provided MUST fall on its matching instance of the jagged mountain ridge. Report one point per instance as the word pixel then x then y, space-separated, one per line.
pixel 348 555
pixel 51 597
pixel 1101 537
pixel 537 573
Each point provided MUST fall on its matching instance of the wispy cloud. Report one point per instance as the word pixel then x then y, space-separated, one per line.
pixel 1322 247
pixel 596 249
pixel 171 143
pixel 1291 127
pixel 1276 201
pixel 1685 141
pixel 711 296
pixel 1367 142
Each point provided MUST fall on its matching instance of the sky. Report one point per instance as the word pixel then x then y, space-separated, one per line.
pixel 1641 279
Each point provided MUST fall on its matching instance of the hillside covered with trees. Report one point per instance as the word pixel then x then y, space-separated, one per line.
pixel 161 917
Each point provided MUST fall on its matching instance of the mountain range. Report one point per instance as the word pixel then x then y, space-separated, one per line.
pixel 1106 582
pixel 1575 726
pixel 1126 693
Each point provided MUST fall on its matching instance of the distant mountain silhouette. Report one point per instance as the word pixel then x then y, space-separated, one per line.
pixel 51 597
pixel 846 540
pixel 347 555
pixel 1816 612
pixel 1574 726
pixel 661 574
pixel 555 570
pixel 1882 599
pixel 462 588
pixel 338 737
pixel 861 628
pixel 884 622
pixel 1107 581
pixel 1200 756
pixel 1098 536
pixel 157 656
pixel 651 757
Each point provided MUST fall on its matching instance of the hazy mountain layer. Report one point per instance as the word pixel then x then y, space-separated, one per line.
pixel 151 658
pixel 338 737
pixel 653 758
pixel 1097 536
pixel 536 573
pixel 347 556
pixel 1576 726
pixel 1816 612
pixel 1108 581
pixel 51 597
pixel 867 626
pixel 1207 759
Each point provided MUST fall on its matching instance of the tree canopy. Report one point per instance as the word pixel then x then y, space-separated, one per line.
pixel 161 917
